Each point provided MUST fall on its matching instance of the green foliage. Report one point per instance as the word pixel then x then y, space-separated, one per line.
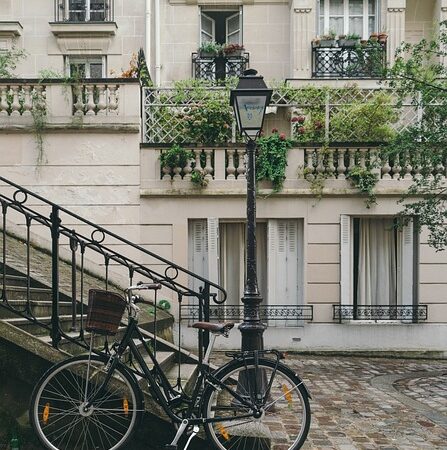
pixel 175 156
pixel 419 74
pixel 198 178
pixel 365 181
pixel 271 162
pixel 9 60
pixel 39 114
pixel 209 122
pixel 210 47
pixel 368 121
pixel 352 36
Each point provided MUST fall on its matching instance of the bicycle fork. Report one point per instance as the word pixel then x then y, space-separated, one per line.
pixel 181 429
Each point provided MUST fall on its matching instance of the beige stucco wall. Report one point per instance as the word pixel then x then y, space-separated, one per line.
pixel 42 46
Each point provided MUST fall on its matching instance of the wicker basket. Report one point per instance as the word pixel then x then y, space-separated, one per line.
pixel 105 310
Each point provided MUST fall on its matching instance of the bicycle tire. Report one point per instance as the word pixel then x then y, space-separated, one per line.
pixel 56 413
pixel 286 405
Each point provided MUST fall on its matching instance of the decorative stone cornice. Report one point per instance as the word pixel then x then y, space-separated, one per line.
pixel 302 10
pixel 395 10
pixel 10 29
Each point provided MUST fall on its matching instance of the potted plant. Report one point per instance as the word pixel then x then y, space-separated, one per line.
pixel 341 40
pixel 364 42
pixel 350 40
pixel 209 49
pixel 328 40
pixel 316 41
pixel 383 36
pixel 232 49
pixel 374 37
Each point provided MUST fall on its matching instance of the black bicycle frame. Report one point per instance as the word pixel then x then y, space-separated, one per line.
pixel 168 391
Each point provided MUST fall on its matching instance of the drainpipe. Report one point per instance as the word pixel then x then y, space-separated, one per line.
pixel 147 44
pixel 157 43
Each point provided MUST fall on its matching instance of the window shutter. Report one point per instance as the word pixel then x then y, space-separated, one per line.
pixel 233 29
pixel 406 280
pixel 207 29
pixel 198 255
pixel 345 260
pixel 213 249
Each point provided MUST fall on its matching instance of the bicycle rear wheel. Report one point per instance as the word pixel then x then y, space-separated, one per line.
pixel 285 412
pixel 57 411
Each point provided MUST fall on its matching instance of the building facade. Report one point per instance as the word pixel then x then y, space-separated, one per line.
pixel 333 273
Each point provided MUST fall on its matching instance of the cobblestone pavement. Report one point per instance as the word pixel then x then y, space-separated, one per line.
pixel 375 403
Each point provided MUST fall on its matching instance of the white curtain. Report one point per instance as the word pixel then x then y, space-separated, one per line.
pixel 377 273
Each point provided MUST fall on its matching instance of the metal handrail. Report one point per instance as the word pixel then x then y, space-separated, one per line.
pixel 80 242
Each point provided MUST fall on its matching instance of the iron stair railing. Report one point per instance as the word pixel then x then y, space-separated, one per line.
pixel 33 211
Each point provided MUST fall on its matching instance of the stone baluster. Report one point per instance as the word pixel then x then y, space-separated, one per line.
pixel 78 101
pixel 15 105
pixel 208 166
pixel 187 170
pixel 90 106
pixel 231 169
pixel 309 169
pixel 320 162
pixel 352 152
pixel 397 168
pixel 113 100
pixel 362 160
pixel 27 103
pixel 102 103
pixel 197 164
pixel 341 169
pixel 177 173
pixel 406 166
pixel 374 162
pixel 3 101
pixel 386 169
pixel 241 166
pixel 330 169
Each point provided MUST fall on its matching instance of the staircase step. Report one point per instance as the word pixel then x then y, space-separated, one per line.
pixel 40 308
pixel 20 293
pixel 14 280
pixel 188 375
pixel 37 329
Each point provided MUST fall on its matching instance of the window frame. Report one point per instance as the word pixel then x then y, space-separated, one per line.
pixel 88 10
pixel 87 60
pixel 346 16
pixel 236 9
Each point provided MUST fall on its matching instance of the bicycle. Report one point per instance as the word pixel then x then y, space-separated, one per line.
pixel 94 401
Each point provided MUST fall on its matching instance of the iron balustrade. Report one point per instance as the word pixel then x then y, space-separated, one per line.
pixel 286 315
pixel 216 68
pixel 90 243
pixel 84 11
pixel 349 62
pixel 413 313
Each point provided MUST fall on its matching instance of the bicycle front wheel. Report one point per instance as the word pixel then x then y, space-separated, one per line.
pixel 283 419
pixel 58 410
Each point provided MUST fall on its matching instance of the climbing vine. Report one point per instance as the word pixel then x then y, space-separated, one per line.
pixel 365 181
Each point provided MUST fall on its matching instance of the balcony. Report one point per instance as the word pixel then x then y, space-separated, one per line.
pixel 218 68
pixel 111 104
pixel 405 313
pixel 81 11
pixel 349 62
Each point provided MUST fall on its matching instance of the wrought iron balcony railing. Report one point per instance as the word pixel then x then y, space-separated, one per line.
pixel 275 315
pixel 84 11
pixel 348 62
pixel 409 313
pixel 214 68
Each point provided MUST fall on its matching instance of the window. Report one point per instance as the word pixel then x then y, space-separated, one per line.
pixel 81 67
pixel 223 27
pixel 217 252
pixel 348 17
pixel 87 10
pixel 377 262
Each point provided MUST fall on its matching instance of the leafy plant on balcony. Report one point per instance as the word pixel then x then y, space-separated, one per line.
pixel 369 121
pixel 9 60
pixel 365 181
pixel 175 156
pixel 271 161
pixel 210 48
pixel 198 178
pixel 232 49
pixel 208 122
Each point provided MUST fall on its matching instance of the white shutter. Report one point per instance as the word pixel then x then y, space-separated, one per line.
pixel 345 260
pixel 233 29
pixel 213 250
pixel 198 254
pixel 207 29
pixel 406 278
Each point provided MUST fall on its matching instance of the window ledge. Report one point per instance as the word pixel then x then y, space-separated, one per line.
pixel 379 322
pixel 10 29
pixel 91 29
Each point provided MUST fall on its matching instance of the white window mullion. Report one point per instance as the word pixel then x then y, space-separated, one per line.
pixel 365 19
pixel 345 260
pixel 213 250
pixel 406 278
pixel 326 17
pixel 346 17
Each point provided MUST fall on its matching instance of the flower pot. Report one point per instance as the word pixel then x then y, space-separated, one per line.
pixel 236 53
pixel 207 54
pixel 348 42
pixel 316 43
pixel 383 38
pixel 327 43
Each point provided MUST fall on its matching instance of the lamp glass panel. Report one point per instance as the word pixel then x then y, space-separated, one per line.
pixel 251 111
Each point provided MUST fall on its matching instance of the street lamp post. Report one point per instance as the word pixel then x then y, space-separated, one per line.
pixel 250 100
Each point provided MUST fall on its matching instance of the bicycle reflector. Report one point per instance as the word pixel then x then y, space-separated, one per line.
pixel 46 413
pixel 126 407
pixel 223 431
pixel 287 395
